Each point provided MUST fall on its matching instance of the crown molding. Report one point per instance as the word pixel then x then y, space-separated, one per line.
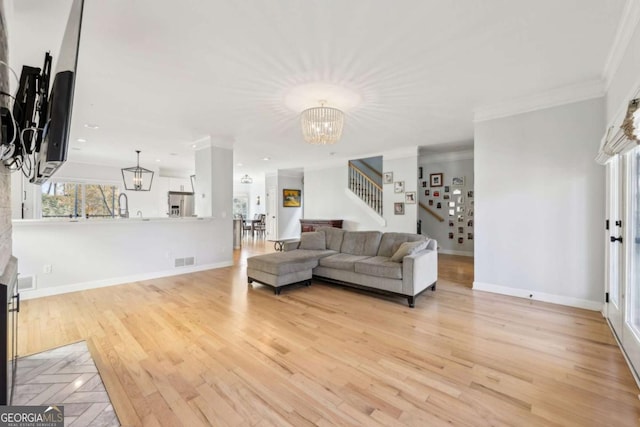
pixel 626 28
pixel 552 98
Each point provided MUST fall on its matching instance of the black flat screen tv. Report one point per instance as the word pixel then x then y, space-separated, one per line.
pixel 52 152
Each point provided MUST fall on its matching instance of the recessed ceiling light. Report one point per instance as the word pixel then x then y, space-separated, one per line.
pixel 194 146
pixel 157 160
pixel 91 126
pixel 266 158
pixel 76 148
pixel 81 140
pixel 239 164
pixel 173 154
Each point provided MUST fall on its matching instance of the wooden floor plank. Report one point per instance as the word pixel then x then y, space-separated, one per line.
pixel 206 349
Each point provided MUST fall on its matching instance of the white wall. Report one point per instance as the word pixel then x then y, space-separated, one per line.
pixel 539 205
pixel 115 251
pixel 203 182
pixel 404 169
pixel 327 196
pixel 289 217
pixel 450 165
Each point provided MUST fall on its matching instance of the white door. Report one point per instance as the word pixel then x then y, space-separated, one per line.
pixel 631 248
pixel 614 253
pixel 272 213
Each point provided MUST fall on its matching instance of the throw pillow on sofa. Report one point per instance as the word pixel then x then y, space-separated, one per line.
pixel 313 240
pixel 408 248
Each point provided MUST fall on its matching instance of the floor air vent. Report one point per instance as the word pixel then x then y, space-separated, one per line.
pixel 26 283
pixel 184 262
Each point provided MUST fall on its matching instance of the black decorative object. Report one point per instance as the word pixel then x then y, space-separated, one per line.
pixel 137 178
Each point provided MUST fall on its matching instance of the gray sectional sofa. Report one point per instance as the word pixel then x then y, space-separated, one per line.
pixel 400 263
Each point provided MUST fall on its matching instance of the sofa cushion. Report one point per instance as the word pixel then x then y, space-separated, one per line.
pixel 391 242
pixel 341 261
pixel 408 248
pixel 379 266
pixel 284 262
pixel 314 240
pixel 333 237
pixel 361 242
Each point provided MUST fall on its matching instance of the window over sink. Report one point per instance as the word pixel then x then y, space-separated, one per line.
pixel 77 200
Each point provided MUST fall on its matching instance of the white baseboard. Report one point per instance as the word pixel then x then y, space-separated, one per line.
pixel 452 252
pixel 75 287
pixel 538 296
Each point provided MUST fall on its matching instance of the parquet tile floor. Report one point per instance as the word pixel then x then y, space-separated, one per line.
pixel 65 376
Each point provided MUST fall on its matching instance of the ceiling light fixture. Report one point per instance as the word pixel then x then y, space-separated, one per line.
pixel 266 158
pixel 136 178
pixel 81 140
pixel 322 125
pixel 246 179
pixel 91 126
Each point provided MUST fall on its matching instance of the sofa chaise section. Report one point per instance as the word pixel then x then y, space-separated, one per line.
pixel 284 268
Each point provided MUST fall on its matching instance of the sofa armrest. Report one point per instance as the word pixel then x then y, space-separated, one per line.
pixel 420 270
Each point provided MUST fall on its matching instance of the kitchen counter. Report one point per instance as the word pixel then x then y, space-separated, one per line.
pixel 69 221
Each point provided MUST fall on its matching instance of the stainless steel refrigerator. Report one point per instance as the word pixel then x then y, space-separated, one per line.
pixel 181 204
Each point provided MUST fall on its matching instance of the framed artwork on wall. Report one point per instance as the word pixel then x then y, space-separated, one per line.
pixel 430 202
pixel 387 178
pixel 451 236
pixel 439 205
pixel 398 187
pixel 436 194
pixel 420 172
pixel 426 192
pixel 410 197
pixel 424 183
pixel 461 240
pixel 291 198
pixel 446 197
pixel 446 188
pixel 398 208
pixel 458 181
pixel 435 180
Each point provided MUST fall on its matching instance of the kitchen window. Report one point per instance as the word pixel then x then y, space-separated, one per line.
pixel 74 200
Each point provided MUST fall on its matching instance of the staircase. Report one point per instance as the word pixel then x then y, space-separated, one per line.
pixel 365 188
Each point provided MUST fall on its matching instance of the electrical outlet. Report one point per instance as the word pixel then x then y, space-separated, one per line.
pixel 48 268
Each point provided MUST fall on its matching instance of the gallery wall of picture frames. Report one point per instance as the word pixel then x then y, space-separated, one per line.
pixel 453 195
pixel 406 197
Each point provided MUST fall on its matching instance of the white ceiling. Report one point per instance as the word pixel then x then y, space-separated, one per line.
pixel 160 75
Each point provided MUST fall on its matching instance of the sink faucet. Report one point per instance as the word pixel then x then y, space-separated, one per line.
pixel 139 213
pixel 125 213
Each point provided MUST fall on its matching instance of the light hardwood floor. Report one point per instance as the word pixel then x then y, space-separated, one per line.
pixel 455 268
pixel 206 349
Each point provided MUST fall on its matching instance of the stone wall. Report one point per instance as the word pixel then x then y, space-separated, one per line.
pixel 5 179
